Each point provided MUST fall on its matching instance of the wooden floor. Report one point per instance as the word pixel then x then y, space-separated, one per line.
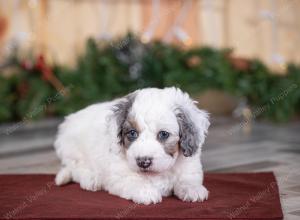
pixel 268 147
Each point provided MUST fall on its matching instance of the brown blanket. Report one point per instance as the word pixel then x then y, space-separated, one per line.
pixel 232 196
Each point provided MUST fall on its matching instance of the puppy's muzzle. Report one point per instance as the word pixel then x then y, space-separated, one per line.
pixel 144 162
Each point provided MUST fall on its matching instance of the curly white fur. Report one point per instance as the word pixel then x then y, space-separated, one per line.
pixel 92 155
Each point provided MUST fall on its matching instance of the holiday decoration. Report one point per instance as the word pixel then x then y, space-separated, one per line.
pixel 104 20
pixel 35 90
pixel 270 15
pixel 47 73
pixel 154 22
pixel 239 63
pixel 193 61
pixel 176 30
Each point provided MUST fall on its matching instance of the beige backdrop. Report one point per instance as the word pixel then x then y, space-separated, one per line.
pixel 266 29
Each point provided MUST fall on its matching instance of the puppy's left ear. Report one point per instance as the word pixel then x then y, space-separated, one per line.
pixel 193 123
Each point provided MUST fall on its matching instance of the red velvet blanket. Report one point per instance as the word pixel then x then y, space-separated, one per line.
pixel 232 196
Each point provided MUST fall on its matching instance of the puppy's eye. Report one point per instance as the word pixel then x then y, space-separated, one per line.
pixel 132 135
pixel 163 135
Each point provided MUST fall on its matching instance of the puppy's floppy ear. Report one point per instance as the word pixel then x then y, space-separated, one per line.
pixel 121 110
pixel 193 122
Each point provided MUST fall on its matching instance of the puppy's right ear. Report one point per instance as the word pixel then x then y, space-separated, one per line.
pixel 121 110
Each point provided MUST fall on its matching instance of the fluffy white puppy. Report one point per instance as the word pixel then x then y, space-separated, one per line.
pixel 141 147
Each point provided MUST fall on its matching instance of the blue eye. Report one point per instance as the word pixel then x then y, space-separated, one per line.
pixel 132 135
pixel 163 135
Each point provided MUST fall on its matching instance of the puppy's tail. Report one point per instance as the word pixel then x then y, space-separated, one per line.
pixel 63 176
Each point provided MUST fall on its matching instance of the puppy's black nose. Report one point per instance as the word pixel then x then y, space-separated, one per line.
pixel 144 162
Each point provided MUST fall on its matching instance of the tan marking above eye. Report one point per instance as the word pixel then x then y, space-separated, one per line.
pixel 133 124
pixel 129 124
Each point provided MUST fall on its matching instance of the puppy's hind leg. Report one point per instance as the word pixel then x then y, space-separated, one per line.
pixel 87 179
pixel 63 176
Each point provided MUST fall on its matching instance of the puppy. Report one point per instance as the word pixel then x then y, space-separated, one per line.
pixel 141 147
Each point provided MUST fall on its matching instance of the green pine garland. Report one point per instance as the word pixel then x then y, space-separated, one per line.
pixel 104 72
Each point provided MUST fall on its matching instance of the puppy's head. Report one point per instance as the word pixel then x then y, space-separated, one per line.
pixel 155 126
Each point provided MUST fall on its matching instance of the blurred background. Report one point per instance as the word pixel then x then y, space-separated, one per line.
pixel 238 59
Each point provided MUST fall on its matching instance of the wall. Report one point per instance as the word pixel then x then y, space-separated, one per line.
pixel 266 29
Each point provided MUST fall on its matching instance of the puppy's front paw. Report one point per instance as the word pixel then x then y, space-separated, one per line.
pixel 190 193
pixel 90 182
pixel 146 195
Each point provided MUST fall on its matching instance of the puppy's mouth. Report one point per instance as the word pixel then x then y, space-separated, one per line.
pixel 147 171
